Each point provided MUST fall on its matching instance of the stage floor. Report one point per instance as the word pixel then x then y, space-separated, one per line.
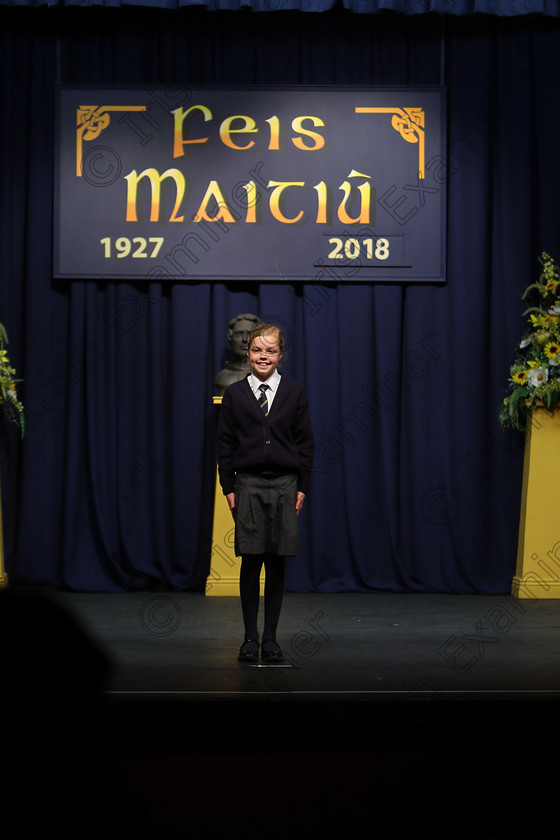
pixel 425 716
pixel 434 654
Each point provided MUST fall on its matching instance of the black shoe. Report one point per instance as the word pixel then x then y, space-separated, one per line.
pixel 271 652
pixel 249 651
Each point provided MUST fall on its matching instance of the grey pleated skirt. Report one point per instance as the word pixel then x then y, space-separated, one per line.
pixel 266 519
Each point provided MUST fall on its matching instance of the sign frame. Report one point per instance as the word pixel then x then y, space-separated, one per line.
pixel 255 229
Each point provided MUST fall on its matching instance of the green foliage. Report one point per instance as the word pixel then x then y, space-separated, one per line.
pixel 9 401
pixel 534 378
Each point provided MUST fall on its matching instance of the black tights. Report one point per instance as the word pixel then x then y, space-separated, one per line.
pixel 249 589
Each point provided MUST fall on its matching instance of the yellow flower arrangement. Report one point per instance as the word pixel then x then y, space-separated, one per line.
pixel 534 378
pixel 8 390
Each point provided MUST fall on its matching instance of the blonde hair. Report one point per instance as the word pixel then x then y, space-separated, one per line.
pixel 267 329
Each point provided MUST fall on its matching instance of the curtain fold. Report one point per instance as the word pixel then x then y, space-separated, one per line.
pixel 415 487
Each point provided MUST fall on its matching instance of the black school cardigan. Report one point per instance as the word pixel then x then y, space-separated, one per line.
pixel 248 441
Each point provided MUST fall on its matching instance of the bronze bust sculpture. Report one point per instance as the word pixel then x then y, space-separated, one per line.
pixel 239 330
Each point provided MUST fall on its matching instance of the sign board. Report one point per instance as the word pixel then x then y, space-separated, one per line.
pixel 312 184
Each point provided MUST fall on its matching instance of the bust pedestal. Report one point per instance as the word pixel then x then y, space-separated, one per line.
pixel 223 578
pixel 537 574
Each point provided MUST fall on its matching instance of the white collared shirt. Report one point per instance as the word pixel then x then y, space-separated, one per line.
pixel 273 382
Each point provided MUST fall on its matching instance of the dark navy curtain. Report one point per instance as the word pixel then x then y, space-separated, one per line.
pixel 505 8
pixel 416 488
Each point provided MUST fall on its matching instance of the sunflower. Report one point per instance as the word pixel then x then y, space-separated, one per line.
pixel 519 377
pixel 552 350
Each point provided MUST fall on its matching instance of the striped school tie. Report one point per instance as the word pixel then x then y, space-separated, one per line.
pixel 263 399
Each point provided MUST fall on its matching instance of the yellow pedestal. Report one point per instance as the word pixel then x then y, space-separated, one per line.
pixel 538 555
pixel 224 565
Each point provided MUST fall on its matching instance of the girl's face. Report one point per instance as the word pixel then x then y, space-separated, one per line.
pixel 264 356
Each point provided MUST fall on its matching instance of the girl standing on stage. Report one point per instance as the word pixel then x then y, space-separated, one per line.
pixel 265 457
